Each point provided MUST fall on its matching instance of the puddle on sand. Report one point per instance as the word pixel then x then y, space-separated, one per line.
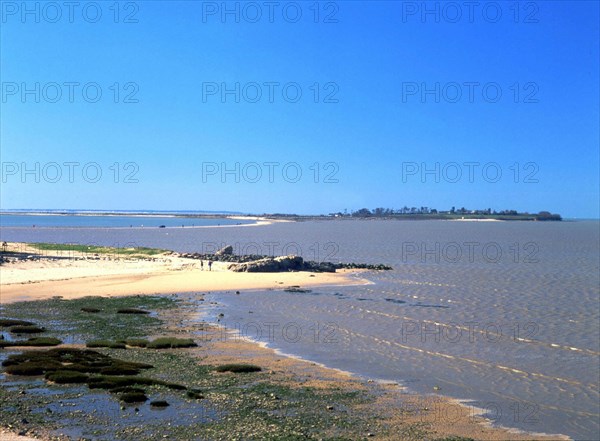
pixel 17 382
pixel 101 416
pixel 7 336
pixel 51 392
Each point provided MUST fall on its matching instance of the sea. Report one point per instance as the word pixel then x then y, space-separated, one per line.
pixel 502 316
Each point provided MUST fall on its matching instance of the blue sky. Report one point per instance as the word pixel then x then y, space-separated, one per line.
pixel 365 119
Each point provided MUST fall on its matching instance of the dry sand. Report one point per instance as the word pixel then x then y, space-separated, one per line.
pixel 75 276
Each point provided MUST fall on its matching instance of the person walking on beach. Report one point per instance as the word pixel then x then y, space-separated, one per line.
pixel 201 265
pixel 210 265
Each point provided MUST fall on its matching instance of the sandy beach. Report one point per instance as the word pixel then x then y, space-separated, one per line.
pixel 74 275
pixel 78 276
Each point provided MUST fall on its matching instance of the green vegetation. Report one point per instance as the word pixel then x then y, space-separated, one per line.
pixel 68 359
pixel 91 310
pixel 66 377
pixel 238 368
pixel 35 341
pixel 135 342
pixel 95 249
pixel 28 368
pixel 98 371
pixel 220 406
pixel 133 397
pixel 171 343
pixel 7 323
pixel 159 343
pixel 117 382
pixel 103 325
pixel 28 329
pixel 422 213
pixel 105 344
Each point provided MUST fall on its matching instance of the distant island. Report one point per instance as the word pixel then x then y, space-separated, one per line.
pixel 427 213
pixel 404 213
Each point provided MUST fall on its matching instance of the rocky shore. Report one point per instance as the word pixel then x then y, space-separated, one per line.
pixel 253 263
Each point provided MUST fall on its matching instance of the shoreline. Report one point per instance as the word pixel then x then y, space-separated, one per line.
pixel 162 275
pixel 266 219
pixel 438 417
pixel 75 275
pixel 466 411
pixel 257 222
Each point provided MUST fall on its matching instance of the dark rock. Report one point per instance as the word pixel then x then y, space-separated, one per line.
pixel 270 265
pixel 297 289
pixel 159 403
pixel 262 263
pixel 228 250
pixel 319 267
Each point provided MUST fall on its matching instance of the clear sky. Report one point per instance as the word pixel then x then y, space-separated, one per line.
pixel 303 107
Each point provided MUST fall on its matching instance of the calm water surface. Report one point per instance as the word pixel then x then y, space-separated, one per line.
pixel 114 221
pixel 504 314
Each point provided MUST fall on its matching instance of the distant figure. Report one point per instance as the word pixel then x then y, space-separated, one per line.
pixel 201 265
pixel 4 246
pixel 210 265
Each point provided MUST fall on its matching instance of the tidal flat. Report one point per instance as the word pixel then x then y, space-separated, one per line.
pixel 219 394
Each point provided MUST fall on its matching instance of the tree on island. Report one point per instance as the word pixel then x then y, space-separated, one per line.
pixel 363 212
pixel 547 216
pixel 432 213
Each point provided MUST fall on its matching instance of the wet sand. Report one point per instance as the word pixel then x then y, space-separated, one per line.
pixel 394 405
pixel 74 277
